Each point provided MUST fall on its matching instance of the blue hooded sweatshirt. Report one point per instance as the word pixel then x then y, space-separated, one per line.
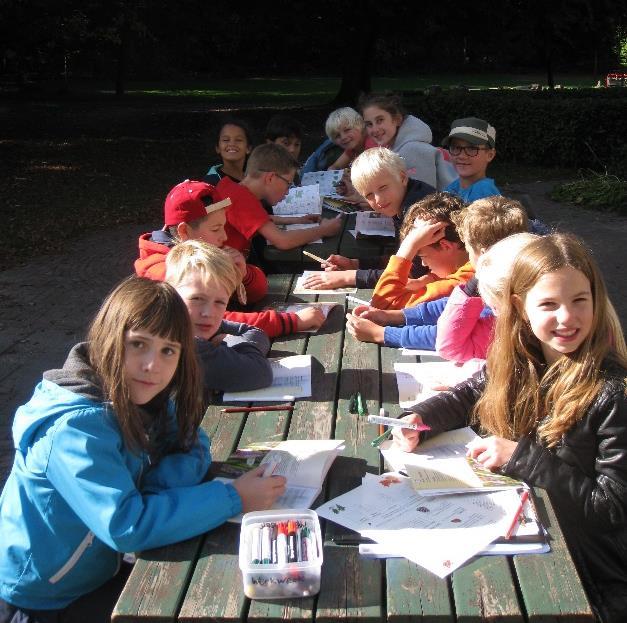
pixel 77 497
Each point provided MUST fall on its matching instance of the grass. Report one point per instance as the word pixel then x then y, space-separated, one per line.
pixel 601 191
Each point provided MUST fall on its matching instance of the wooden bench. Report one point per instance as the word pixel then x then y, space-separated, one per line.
pixel 199 579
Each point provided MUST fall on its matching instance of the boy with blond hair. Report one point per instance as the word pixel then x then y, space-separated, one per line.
pixel 380 176
pixel 479 226
pixel 232 354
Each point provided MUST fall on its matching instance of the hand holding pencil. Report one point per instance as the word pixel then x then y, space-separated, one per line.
pixel 407 439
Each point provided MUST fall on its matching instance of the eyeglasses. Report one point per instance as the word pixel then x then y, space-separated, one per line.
pixel 470 150
pixel 288 182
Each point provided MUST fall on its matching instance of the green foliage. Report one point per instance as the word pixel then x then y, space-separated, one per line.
pixel 602 191
pixel 572 128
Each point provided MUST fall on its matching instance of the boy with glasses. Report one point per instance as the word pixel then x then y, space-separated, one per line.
pixel 471 143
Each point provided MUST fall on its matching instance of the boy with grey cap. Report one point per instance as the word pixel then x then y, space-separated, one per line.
pixel 471 143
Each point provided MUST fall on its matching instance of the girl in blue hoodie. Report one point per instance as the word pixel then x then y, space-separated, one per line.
pixel 107 463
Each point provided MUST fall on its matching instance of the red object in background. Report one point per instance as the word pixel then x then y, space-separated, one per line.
pixel 617 78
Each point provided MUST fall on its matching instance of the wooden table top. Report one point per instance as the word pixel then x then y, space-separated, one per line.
pixel 199 579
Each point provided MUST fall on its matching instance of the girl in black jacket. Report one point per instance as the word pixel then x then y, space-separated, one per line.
pixel 551 402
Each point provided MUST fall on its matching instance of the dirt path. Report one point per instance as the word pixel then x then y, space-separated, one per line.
pixel 46 304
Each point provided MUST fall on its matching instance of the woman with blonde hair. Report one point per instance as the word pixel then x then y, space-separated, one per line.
pixel 552 405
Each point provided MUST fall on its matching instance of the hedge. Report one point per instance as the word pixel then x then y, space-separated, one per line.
pixel 584 128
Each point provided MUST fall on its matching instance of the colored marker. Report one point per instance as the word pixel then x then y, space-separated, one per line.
pixel 266 544
pixel 377 441
pixel 255 547
pixel 291 541
pixel 281 543
pixel 307 547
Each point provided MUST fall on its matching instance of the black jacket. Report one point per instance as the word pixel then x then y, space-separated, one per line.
pixel 585 476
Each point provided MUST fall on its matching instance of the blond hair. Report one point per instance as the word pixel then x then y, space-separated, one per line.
pixel 488 220
pixel 374 161
pixel 524 395
pixel 212 264
pixel 494 266
pixel 346 117
pixel 153 306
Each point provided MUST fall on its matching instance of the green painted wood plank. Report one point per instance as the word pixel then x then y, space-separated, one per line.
pixel 549 583
pixel 216 590
pixel 155 588
pixel 351 587
pixel 484 590
pixel 414 594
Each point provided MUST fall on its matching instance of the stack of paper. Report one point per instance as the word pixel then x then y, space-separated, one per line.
pixel 439 533
pixel 300 200
pixel 291 379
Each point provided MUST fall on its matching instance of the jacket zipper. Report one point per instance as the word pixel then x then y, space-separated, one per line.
pixel 73 559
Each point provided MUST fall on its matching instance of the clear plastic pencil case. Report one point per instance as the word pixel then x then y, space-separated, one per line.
pixel 280 553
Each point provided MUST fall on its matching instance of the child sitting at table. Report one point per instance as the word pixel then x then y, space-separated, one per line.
pixel 269 174
pixel 192 211
pixel 380 176
pixel 468 323
pixel 552 403
pixel 286 131
pixel 346 134
pixel 232 354
pixel 110 458
pixel 233 145
pixel 427 232
pixel 389 125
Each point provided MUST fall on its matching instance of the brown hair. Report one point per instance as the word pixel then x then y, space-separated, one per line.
pixel 155 307
pixel 388 101
pixel 438 206
pixel 270 157
pixel 523 394
pixel 486 221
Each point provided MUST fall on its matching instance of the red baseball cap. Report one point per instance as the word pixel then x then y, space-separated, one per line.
pixel 192 200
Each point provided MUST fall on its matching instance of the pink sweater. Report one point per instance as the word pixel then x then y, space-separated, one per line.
pixel 463 333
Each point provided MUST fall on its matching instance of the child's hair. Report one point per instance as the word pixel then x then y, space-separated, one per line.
pixel 486 221
pixel 495 265
pixel 372 162
pixel 523 393
pixel 270 157
pixel 211 264
pixel 283 125
pixel 239 123
pixel 438 206
pixel 343 118
pixel 153 306
pixel 389 102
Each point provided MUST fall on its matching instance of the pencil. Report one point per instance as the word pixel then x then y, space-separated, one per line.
pixel 377 441
pixel 354 299
pixel 314 257
pixel 283 407
pixel 519 512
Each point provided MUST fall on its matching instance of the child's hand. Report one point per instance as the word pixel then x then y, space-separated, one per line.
pixel 259 493
pixel 330 280
pixel 330 226
pixel 238 259
pixel 405 438
pixel 383 317
pixel 364 330
pixel 421 235
pixel 310 218
pixel 418 284
pixel 339 262
pixel 492 452
pixel 309 318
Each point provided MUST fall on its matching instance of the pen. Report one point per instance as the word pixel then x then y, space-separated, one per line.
pixel 377 441
pixel 354 299
pixel 283 407
pixel 360 405
pixel 390 421
pixel 519 511
pixel 314 257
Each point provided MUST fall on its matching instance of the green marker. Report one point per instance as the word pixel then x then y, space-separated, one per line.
pixel 377 441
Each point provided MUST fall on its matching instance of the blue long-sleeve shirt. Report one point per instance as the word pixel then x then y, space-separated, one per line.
pixel 420 326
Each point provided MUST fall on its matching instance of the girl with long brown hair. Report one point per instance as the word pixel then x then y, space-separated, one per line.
pixel 110 459
pixel 551 404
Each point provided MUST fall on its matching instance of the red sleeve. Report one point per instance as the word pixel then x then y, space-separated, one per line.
pixel 273 323
pixel 244 216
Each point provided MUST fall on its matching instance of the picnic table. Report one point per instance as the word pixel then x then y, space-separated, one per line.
pixel 199 579
pixel 344 243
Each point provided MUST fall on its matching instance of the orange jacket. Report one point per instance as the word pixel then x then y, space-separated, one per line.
pixel 391 292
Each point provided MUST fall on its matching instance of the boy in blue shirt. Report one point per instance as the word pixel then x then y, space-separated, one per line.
pixel 471 143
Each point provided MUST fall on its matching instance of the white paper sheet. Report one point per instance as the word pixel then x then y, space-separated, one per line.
pixel 326 180
pixel 300 200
